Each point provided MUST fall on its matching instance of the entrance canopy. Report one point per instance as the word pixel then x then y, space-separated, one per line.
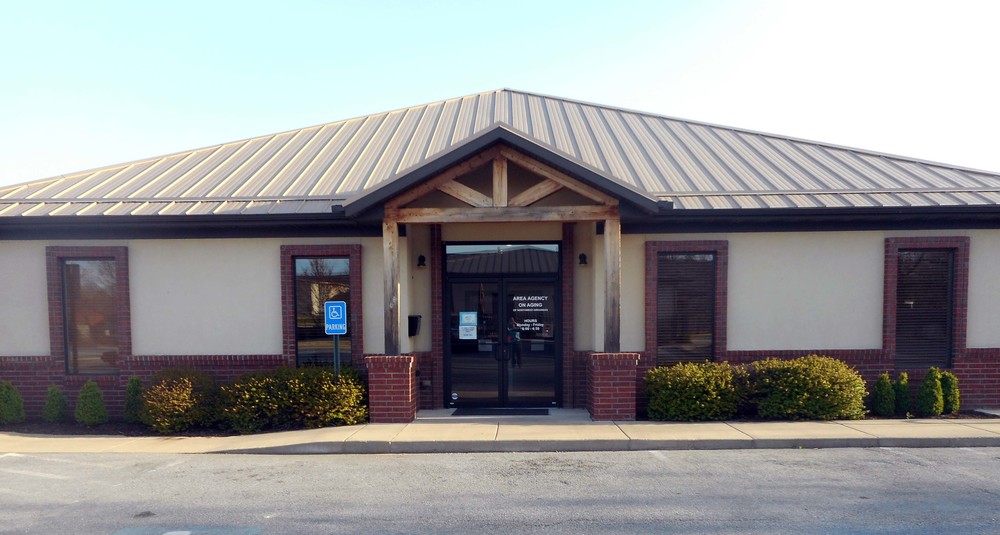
pixel 498 184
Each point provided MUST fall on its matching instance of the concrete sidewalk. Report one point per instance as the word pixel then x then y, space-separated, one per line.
pixel 562 430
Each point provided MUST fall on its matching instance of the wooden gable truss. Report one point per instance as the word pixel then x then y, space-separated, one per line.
pixel 495 205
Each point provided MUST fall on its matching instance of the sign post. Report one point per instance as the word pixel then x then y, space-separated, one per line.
pixel 335 314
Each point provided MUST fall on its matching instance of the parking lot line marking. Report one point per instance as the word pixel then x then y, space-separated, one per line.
pixel 35 474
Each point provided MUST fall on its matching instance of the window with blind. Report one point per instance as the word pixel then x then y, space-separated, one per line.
pixel 924 307
pixel 318 280
pixel 90 309
pixel 685 306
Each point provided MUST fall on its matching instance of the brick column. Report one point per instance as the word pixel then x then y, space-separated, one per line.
pixel 611 385
pixel 392 388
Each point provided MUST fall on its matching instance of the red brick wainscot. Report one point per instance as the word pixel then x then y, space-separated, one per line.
pixel 611 386
pixel 393 391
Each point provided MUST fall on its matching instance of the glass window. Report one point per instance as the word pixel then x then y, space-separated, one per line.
pixel 924 302
pixel 685 307
pixel 318 280
pixel 90 300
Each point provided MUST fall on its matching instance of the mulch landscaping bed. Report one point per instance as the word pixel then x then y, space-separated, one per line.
pixel 110 428
pixel 962 415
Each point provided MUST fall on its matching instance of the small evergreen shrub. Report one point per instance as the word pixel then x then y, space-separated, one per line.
pixel 178 399
pixel 930 397
pixel 884 396
pixel 55 406
pixel 692 391
pixel 949 392
pixel 11 404
pixel 133 401
pixel 290 398
pixel 90 409
pixel 812 387
pixel 902 388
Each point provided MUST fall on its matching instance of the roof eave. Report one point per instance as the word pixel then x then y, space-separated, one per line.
pixel 817 219
pixel 182 226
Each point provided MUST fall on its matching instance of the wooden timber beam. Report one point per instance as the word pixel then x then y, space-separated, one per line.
pixel 502 215
pixel 536 193
pixel 500 182
pixel 466 194
pixel 447 176
pixel 390 258
pixel 613 285
pixel 569 182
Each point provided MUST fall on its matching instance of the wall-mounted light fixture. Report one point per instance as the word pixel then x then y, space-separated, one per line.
pixel 583 259
pixel 421 261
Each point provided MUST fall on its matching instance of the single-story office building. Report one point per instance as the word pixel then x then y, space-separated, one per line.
pixel 501 249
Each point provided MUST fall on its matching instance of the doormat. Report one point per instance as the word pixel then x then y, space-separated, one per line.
pixel 500 412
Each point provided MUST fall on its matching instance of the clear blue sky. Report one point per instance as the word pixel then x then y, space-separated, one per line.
pixel 86 84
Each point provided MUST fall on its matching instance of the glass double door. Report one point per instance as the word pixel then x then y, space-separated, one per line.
pixel 503 346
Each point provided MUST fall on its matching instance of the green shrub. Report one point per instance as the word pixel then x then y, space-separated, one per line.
pixel 902 388
pixel 90 408
pixel 289 398
pixel 692 391
pixel 178 399
pixel 349 373
pixel 11 404
pixel 55 406
pixel 949 392
pixel 813 387
pixel 930 397
pixel 745 404
pixel 133 401
pixel 253 402
pixel 884 396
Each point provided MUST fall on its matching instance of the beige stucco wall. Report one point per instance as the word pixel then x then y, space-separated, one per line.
pixel 810 290
pixel 585 287
pixel 244 275
pixel 221 297
pixel 785 290
pixel 24 312
pixel 205 297
pixel 373 297
pixel 816 290
pixel 480 232
pixel 633 273
pixel 984 289
pixel 417 288
pixel 596 321
pixel 589 321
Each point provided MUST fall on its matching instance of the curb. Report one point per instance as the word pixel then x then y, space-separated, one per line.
pixel 517 446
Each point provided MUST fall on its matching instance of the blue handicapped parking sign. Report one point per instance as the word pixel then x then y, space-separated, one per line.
pixel 335 314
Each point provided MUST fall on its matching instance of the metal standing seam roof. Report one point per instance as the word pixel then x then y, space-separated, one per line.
pixel 695 165
pixel 509 260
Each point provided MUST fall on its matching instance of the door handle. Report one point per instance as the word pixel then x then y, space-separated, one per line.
pixel 498 352
pixel 501 354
